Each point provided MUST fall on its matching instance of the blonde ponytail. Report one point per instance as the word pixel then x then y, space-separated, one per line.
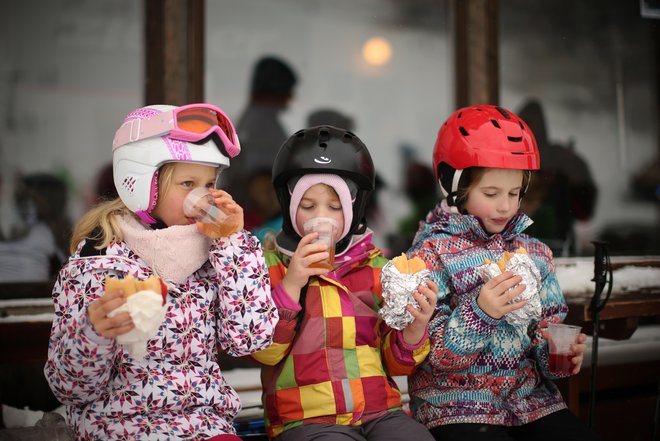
pixel 103 218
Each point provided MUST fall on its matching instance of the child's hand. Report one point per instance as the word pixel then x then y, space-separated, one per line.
pixel 494 298
pixel 109 327
pixel 233 223
pixel 300 268
pixel 577 350
pixel 426 296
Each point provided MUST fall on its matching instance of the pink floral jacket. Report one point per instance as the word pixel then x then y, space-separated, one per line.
pixel 178 390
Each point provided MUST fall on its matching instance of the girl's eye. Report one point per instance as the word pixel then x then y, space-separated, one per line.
pixel 187 183
pixel 515 195
pixel 306 206
pixel 335 207
pixel 490 195
pixel 210 185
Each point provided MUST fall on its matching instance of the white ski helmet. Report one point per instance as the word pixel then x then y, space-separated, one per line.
pixel 136 160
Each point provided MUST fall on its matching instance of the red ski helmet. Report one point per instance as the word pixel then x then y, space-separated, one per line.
pixel 482 136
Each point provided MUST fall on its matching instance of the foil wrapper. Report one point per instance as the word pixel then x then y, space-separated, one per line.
pixel 398 292
pixel 520 264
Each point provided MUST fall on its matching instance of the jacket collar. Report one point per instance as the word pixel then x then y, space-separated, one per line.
pixel 442 220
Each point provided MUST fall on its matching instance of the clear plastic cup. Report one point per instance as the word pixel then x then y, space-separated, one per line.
pixel 561 337
pixel 199 205
pixel 327 229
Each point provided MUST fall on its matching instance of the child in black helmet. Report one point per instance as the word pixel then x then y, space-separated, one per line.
pixel 328 372
pixel 487 376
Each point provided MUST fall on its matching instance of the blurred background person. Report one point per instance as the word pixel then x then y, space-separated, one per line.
pixel 260 131
pixel 562 192
pixel 33 246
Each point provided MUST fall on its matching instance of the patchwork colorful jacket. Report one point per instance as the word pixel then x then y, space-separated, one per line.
pixel 337 367
pixel 481 370
pixel 178 391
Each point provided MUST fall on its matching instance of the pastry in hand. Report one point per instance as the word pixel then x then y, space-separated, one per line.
pixel 130 285
pixel 505 258
pixel 408 266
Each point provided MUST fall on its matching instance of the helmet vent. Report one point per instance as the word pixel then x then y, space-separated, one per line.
pixel 323 145
pixel 463 131
pixel 514 138
pixel 495 123
pixel 503 112
pixel 522 126
pixel 129 184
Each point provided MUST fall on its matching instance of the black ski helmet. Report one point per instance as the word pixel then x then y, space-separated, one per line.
pixel 324 149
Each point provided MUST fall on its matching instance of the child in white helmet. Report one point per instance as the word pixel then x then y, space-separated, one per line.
pixel 487 376
pixel 328 374
pixel 217 289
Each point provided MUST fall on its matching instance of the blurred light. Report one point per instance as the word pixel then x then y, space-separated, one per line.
pixel 377 51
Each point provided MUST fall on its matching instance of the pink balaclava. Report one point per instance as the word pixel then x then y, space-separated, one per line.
pixel 334 181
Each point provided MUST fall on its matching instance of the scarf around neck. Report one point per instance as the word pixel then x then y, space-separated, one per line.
pixel 173 253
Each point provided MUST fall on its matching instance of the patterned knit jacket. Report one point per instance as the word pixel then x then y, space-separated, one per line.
pixel 481 370
pixel 337 368
pixel 178 390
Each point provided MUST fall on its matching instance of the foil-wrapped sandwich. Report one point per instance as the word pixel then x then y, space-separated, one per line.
pixel 400 277
pixel 522 265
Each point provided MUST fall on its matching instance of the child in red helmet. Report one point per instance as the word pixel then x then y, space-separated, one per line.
pixel 328 374
pixel 486 378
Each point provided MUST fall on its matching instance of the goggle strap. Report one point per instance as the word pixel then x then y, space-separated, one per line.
pixel 137 129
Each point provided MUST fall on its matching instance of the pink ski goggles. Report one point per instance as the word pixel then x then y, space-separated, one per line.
pixel 192 122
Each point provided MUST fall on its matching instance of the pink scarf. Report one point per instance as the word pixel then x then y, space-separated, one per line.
pixel 173 253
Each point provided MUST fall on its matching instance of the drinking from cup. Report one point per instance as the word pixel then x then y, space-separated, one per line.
pixel 327 229
pixel 200 205
pixel 559 347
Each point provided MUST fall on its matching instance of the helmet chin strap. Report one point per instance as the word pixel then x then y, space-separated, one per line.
pixel 145 217
pixel 451 197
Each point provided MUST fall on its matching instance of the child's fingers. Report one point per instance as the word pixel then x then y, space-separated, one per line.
pixel 432 286
pixel 307 239
pixel 492 283
pixel 508 296
pixel 513 306
pixel 315 257
pixel 428 297
pixel 509 283
pixel 118 327
pixel 110 301
pixel 414 312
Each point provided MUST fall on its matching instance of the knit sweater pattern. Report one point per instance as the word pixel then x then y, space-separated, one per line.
pixel 480 369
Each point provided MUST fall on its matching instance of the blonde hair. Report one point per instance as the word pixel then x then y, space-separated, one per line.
pixel 101 224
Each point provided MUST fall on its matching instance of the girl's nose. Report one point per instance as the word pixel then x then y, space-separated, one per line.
pixel 504 205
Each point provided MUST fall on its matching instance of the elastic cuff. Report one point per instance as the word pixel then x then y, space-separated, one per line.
pixel 482 315
pixel 409 347
pixel 283 300
pixel 87 331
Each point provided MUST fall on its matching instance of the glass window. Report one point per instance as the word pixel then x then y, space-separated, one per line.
pixel 592 72
pixel 68 70
pixel 384 64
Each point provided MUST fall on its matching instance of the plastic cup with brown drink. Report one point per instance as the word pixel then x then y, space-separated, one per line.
pixel 327 229
pixel 561 337
pixel 200 205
